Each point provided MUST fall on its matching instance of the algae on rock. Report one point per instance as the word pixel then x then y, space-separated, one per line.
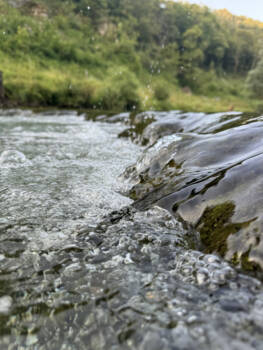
pixel 207 171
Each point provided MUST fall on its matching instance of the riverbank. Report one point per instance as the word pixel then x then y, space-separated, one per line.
pixel 30 84
pixel 111 58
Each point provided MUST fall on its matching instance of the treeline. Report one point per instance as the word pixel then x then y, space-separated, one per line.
pixel 180 36
pixel 183 44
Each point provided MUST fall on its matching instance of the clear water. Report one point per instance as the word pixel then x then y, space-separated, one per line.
pixel 74 277
pixel 57 174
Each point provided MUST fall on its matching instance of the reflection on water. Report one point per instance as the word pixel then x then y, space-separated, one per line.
pixel 80 268
pixel 209 162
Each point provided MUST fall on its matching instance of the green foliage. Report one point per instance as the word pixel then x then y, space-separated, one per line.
pixel 84 44
pixel 255 80
pixel 161 92
pixel 121 91
pixel 259 107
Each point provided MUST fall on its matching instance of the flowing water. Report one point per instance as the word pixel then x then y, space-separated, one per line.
pixel 83 268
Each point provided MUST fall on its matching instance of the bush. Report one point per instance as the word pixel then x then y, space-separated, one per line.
pixel 129 96
pixel 259 107
pixel 121 91
pixel 254 80
pixel 122 97
pixel 161 92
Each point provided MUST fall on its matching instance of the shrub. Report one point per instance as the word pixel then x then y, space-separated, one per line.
pixel 254 80
pixel 122 97
pixel 120 91
pixel 161 92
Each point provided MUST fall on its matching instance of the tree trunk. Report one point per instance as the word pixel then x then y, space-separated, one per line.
pixel 2 90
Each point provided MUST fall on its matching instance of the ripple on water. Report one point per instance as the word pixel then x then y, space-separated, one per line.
pixel 209 175
pixel 13 159
pixel 77 272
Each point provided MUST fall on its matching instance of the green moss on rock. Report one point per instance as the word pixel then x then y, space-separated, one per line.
pixel 247 264
pixel 215 227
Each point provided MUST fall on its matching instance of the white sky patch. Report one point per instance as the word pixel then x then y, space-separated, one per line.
pixel 252 8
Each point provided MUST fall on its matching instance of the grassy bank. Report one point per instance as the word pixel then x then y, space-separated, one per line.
pixel 30 82
pixel 97 55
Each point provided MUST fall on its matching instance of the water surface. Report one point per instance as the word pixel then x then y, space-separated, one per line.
pixel 81 268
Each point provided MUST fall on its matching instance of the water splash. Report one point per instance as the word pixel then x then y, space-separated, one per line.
pixel 80 268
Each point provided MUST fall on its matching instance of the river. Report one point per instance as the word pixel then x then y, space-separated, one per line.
pixel 81 267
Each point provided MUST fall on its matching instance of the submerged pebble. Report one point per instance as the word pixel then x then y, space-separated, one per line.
pixel 5 305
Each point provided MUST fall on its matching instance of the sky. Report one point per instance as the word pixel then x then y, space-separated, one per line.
pixel 248 8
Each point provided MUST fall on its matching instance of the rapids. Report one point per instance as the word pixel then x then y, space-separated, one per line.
pixel 83 267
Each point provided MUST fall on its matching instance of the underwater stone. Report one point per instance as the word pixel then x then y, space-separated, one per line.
pixel 232 305
pixel 5 305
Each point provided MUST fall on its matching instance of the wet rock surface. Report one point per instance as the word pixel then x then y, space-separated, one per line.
pixel 83 267
pixel 207 171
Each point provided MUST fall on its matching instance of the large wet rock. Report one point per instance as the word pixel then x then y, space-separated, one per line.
pixel 207 170
pixel 148 127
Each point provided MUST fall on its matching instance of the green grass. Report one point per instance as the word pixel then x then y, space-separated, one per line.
pixel 30 81
pixel 199 103
pixel 63 60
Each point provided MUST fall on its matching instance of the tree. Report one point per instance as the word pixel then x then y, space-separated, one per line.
pixel 95 10
pixel 254 80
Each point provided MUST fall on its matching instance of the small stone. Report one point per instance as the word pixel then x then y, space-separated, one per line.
pixel 31 340
pixel 152 341
pixel 5 304
pixel 202 277
pixel 231 305
pixel 128 259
